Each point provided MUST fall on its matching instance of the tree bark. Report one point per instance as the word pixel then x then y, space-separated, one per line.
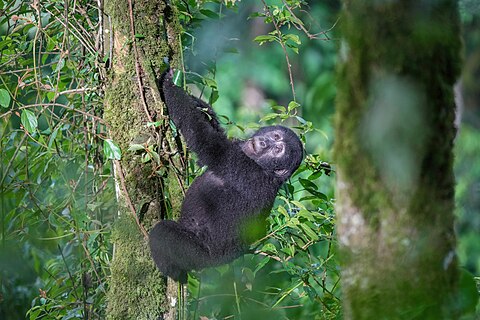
pixel 146 190
pixel 394 138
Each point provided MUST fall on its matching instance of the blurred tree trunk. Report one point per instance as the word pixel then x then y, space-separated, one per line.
pixel 395 131
pixel 145 189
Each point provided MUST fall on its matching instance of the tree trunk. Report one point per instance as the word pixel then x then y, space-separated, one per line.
pixel 148 189
pixel 395 184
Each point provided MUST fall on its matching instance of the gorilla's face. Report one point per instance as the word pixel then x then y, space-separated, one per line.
pixel 277 149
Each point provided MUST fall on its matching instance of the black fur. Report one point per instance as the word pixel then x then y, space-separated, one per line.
pixel 225 208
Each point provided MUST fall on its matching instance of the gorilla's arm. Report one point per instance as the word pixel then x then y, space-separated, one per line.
pixel 197 122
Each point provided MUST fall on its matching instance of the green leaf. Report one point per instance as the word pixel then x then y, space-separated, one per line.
pixel 290 250
pixel 34 313
pixel 264 38
pixel 111 150
pixel 311 293
pixel 52 219
pixel 213 97
pixel 136 147
pixel 50 95
pixel 60 65
pixel 261 265
pixel 307 184
pixel 280 109
pixel 52 138
pixel 154 124
pixel 315 175
pixel 292 37
pixel 223 269
pixel 299 205
pixel 293 105
pixel 29 120
pixel 283 211
pixel 310 233
pixel 468 294
pixel 319 195
pixel 269 247
pixel 178 78
pixel 209 13
pixel 154 156
pixel 302 121
pixel 269 116
pixel 146 157
pixel 4 98
pixel 307 215
pixel 211 83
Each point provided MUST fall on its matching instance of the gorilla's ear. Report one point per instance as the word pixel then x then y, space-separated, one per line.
pixel 282 173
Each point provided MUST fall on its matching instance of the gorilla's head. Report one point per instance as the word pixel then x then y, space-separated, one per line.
pixel 276 149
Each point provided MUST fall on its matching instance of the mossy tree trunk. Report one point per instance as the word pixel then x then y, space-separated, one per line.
pixel 395 184
pixel 146 190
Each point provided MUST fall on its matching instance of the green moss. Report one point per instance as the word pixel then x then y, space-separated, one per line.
pixel 149 29
pixel 137 290
pixel 119 12
pixel 152 41
pixel 122 110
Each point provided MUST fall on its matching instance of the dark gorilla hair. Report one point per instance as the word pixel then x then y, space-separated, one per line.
pixel 225 208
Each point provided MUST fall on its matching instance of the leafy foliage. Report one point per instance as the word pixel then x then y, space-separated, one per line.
pixel 56 196
pixel 57 199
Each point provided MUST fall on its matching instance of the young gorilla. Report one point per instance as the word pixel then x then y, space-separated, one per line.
pixel 225 208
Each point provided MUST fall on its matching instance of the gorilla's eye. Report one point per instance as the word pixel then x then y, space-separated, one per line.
pixel 277 136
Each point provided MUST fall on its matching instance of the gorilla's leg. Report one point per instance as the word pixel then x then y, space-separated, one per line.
pixel 177 250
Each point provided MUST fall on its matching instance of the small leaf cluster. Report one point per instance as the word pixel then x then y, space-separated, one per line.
pixel 281 16
pixel 290 40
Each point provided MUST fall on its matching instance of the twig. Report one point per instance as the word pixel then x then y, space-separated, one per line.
pixel 14 156
pixel 3 115
pixel 69 273
pixel 78 90
pixel 267 9
pixel 127 198
pixel 137 63
pixel 268 255
pixel 299 26
pixel 89 257
pixel 77 34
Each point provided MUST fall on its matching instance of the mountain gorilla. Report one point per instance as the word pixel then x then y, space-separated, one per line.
pixel 226 207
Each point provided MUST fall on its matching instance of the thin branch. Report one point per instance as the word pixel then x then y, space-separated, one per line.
pixel 289 66
pixel 78 90
pixel 3 115
pixel 77 34
pixel 268 255
pixel 299 26
pixel 137 63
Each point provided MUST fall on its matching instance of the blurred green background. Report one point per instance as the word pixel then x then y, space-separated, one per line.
pixel 251 79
